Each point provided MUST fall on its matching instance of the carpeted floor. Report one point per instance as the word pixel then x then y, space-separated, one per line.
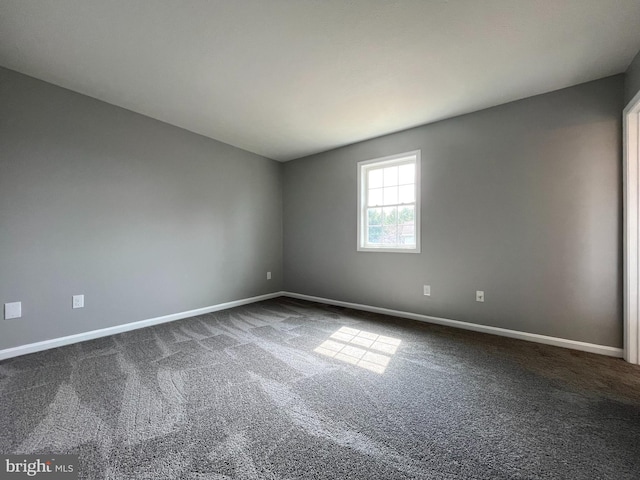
pixel 288 389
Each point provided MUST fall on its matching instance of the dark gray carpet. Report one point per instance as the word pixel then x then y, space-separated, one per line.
pixel 291 389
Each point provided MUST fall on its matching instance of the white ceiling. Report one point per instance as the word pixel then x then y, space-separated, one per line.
pixel 288 78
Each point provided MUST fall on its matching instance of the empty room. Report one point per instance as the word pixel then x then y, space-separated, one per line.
pixel 305 239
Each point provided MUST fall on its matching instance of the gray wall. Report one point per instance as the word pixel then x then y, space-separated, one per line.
pixel 632 80
pixel 143 218
pixel 522 201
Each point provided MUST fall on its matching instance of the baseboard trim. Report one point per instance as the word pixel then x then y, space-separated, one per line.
pixel 103 332
pixel 503 332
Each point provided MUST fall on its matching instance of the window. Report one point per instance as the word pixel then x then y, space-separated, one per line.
pixel 389 204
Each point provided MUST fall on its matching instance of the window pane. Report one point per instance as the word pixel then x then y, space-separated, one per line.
pixel 374 216
pixel 406 230
pixel 375 178
pixel 390 215
pixel 407 174
pixel 407 234
pixel 390 235
pixel 407 215
pixel 406 194
pixel 390 195
pixel 390 176
pixel 375 235
pixel 375 197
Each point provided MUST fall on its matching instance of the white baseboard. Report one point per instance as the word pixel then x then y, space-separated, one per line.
pixel 532 337
pixel 103 332
pixel 504 332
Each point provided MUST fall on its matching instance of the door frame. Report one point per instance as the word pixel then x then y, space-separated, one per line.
pixel 631 235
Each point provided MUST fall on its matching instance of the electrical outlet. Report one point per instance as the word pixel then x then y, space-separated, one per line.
pixel 427 290
pixel 78 301
pixel 479 296
pixel 12 310
pixel 268 275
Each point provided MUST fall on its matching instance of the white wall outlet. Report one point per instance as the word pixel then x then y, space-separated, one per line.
pixel 479 296
pixel 427 290
pixel 12 310
pixel 268 275
pixel 78 301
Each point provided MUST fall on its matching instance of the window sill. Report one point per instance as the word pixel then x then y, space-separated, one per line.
pixel 388 250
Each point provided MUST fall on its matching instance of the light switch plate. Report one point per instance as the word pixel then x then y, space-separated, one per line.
pixel 12 310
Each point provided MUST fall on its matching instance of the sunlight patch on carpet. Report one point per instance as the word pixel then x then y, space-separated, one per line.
pixel 357 347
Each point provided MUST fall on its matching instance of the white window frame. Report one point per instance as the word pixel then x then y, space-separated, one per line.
pixel 362 201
